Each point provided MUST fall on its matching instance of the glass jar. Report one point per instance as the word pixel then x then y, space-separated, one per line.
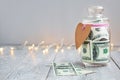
pixel 96 48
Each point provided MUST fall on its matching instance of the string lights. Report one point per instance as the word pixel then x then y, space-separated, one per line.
pixel 12 51
pixel 1 50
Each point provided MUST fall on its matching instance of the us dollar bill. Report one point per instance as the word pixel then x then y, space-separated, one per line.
pixel 86 51
pixel 67 69
pixel 63 69
pixel 100 51
pixel 99 34
pixel 95 51
pixel 80 71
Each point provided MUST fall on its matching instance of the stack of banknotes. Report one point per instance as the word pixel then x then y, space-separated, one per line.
pixel 96 48
pixel 68 69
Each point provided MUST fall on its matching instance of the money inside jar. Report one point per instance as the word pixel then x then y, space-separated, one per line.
pixel 96 48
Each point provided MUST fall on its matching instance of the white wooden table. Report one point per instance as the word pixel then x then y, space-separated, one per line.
pixel 25 65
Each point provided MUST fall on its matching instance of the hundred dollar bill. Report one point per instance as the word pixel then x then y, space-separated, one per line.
pixel 67 69
pixel 86 51
pixel 62 69
pixel 95 51
pixel 99 34
pixel 100 50
pixel 81 71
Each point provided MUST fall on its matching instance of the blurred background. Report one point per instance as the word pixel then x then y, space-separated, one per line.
pixel 50 20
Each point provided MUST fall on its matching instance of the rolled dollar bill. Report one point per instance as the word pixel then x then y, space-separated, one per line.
pixel 86 51
pixel 99 34
pixel 95 51
pixel 100 51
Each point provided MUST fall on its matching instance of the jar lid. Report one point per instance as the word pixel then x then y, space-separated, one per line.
pixel 95 10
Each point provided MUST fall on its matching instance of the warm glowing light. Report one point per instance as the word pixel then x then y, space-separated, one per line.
pixel 79 49
pixel 35 48
pixel 45 51
pixel 57 47
pixel 12 48
pixel 12 51
pixel 33 45
pixel 56 50
pixel 112 45
pixel 69 47
pixel 62 50
pixel 1 50
pixel 30 48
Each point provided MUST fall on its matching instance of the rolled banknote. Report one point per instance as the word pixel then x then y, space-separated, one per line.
pixel 95 51
pixel 99 34
pixel 100 51
pixel 86 51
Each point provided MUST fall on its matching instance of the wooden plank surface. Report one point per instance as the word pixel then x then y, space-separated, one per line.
pixel 67 56
pixel 25 65
pixel 33 66
pixel 108 72
pixel 9 62
pixel 115 55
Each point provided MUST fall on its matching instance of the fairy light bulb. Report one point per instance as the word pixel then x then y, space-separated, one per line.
pixel 56 50
pixel 112 46
pixel 46 50
pixel 12 51
pixel 35 48
pixel 79 50
pixel 69 47
pixel 62 50
pixel 1 50
pixel 33 45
